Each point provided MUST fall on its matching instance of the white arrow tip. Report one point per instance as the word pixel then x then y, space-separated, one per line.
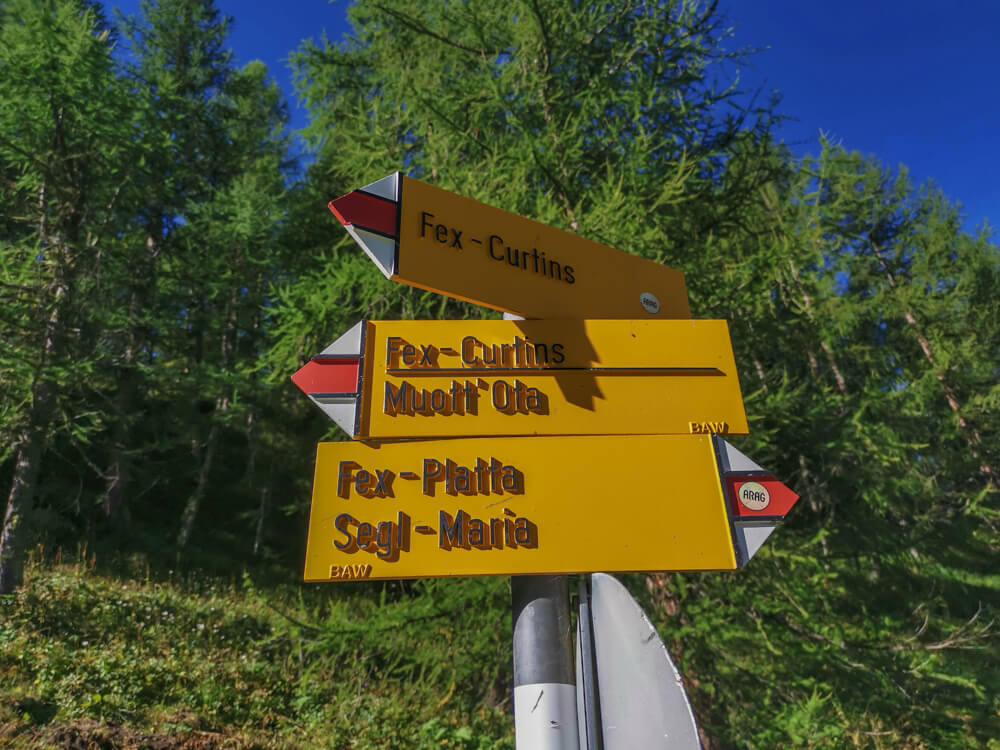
pixel 751 538
pixel 387 187
pixel 349 343
pixel 342 411
pixel 734 460
pixel 382 250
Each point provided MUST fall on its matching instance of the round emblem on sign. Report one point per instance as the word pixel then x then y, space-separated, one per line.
pixel 649 303
pixel 754 496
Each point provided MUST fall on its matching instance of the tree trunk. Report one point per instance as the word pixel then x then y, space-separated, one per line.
pixel 227 345
pixel 16 521
pixel 120 464
pixel 194 500
pixel 258 538
pixel 248 478
pixel 24 486
pixel 760 374
pixel 810 316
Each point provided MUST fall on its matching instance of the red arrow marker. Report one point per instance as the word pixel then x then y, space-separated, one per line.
pixel 329 376
pixel 757 502
pixel 365 211
pixel 371 217
pixel 332 380
pixel 759 497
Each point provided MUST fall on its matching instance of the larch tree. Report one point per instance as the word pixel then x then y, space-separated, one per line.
pixel 603 120
pixel 177 67
pixel 67 156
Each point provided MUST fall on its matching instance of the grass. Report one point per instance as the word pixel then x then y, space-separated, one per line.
pixel 795 652
pixel 227 661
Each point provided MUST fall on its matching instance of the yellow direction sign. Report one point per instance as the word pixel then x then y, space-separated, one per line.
pixel 463 378
pixel 433 239
pixel 537 506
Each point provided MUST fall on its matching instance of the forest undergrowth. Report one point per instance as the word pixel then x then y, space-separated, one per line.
pixel 130 659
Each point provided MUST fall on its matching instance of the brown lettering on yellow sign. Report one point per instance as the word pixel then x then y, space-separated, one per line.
pixel 481 478
pixel 402 355
pixel 540 377
pixel 345 572
pixel 462 398
pixel 388 539
pixel 704 428
pixel 466 532
pixel 520 353
pixel 533 261
pixel 520 506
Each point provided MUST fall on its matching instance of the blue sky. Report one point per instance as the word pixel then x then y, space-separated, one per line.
pixel 914 83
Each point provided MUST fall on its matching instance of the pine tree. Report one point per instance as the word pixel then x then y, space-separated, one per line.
pixel 230 251
pixel 66 156
pixel 178 68
pixel 601 120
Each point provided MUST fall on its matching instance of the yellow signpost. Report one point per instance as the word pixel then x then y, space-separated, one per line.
pixel 517 506
pixel 621 399
pixel 537 506
pixel 395 379
pixel 430 238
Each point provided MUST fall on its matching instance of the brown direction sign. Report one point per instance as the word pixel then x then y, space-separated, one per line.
pixel 430 238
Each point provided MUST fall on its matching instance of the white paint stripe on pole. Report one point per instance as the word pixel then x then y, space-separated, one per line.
pixel 581 698
pixel 541 711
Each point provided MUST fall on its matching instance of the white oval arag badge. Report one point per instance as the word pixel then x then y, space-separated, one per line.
pixel 649 303
pixel 753 496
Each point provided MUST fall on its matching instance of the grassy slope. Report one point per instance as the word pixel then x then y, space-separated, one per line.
pixel 88 658
pixel 182 662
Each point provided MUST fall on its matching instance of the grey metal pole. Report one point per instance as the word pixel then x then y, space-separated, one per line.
pixel 544 689
pixel 588 703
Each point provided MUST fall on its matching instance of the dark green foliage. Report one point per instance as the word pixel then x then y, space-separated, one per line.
pixel 868 620
pixel 141 239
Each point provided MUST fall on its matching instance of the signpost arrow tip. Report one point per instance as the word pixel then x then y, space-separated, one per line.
pixel 332 378
pixel 758 502
pixel 371 217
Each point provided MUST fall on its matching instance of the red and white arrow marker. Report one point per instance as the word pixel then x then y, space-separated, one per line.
pixel 371 217
pixel 332 379
pixel 756 501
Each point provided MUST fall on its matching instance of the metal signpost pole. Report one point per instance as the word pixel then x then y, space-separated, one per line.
pixel 544 688
pixel 588 699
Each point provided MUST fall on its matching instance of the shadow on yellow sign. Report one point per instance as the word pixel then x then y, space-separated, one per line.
pixel 529 377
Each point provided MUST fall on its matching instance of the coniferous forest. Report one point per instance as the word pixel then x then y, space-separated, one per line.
pixel 167 261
